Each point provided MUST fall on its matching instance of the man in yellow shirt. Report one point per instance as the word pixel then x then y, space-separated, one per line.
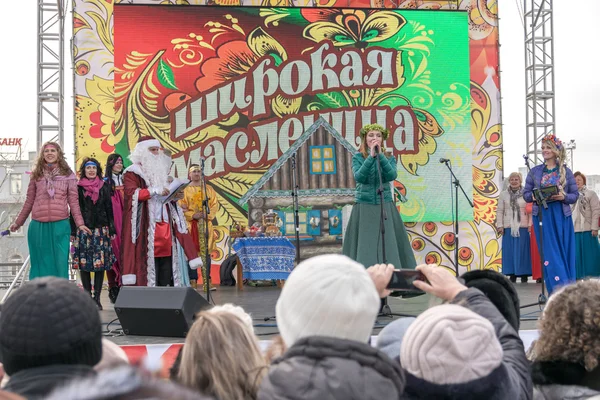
pixel 193 196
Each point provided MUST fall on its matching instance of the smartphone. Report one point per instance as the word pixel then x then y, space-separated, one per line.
pixel 402 280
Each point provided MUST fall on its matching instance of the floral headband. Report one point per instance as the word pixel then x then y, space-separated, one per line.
pixel 194 169
pixel 374 127
pixel 552 138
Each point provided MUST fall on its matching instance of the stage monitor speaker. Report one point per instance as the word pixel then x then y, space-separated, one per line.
pixel 158 311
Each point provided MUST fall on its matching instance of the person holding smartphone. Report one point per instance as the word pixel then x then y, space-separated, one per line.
pixel 363 241
pixel 558 238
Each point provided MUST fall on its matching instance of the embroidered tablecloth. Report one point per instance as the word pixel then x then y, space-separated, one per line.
pixel 265 258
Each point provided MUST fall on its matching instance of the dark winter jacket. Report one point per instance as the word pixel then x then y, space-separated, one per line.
pixel 564 381
pixel 37 383
pixel 367 179
pixel 96 215
pixel 533 181
pixel 510 381
pixel 319 368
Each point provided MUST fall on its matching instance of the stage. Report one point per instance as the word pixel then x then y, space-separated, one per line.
pixel 260 303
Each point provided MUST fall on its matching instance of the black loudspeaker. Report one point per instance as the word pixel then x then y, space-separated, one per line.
pixel 158 311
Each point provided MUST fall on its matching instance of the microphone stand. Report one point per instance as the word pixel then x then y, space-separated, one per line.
pixel 205 210
pixel 541 203
pixel 456 184
pixel 385 310
pixel 295 205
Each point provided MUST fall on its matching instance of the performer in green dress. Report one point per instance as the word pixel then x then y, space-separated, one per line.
pixel 362 240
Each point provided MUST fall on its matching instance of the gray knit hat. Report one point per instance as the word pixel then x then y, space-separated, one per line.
pixel 49 321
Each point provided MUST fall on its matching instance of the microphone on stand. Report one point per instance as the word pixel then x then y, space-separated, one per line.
pixel 444 160
pixel 377 149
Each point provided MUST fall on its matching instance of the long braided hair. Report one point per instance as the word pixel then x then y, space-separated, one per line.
pixel 561 157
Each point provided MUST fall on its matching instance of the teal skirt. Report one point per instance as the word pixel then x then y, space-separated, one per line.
pixel 362 241
pixel 49 248
pixel 587 257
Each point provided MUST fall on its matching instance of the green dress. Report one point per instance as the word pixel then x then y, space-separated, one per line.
pixel 362 240
pixel 49 248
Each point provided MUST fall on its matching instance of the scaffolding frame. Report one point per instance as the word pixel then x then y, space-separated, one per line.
pixel 539 75
pixel 50 71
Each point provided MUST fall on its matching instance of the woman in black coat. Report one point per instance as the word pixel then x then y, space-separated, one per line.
pixel 93 252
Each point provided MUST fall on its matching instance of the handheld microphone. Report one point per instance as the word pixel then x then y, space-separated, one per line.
pixel 444 160
pixel 377 149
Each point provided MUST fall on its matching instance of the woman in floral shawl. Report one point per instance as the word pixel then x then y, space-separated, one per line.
pixel 512 222
pixel 51 193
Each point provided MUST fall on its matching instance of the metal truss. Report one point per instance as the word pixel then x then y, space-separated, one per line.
pixel 539 74
pixel 50 66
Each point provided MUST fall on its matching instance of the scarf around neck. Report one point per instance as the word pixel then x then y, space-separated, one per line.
pixel 51 175
pixel 91 187
pixel 515 220
pixel 579 209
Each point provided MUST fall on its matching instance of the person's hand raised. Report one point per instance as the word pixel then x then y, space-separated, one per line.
pixel 381 275
pixel 440 282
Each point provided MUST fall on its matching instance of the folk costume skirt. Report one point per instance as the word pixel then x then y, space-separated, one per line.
pixel 516 253
pixel 362 240
pixel 93 253
pixel 587 259
pixel 49 248
pixel 558 244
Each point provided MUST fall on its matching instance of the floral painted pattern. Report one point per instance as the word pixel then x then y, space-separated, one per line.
pixel 104 125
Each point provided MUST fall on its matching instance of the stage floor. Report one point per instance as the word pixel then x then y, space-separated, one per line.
pixel 260 303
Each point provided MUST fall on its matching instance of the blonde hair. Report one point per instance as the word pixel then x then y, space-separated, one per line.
pixel 517 174
pixel 40 162
pixel 570 326
pixel 235 310
pixel 561 157
pixel 221 357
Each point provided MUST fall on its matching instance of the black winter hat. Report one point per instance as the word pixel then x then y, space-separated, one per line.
pixel 500 290
pixel 49 321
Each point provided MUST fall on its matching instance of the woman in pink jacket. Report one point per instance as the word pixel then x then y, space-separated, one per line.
pixel 52 190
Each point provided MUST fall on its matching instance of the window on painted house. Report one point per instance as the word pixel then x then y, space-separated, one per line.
pixel 322 160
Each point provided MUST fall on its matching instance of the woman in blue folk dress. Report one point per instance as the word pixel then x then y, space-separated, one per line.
pixel 558 233
pixel 513 222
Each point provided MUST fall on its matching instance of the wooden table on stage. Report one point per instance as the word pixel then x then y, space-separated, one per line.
pixel 263 258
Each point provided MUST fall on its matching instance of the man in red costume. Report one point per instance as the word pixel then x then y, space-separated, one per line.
pixel 153 230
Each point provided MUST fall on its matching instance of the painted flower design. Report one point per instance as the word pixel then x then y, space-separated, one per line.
pixel 429 129
pixel 95 124
pixel 356 28
pixel 237 57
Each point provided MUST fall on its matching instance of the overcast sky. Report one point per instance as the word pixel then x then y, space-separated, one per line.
pixel 577 86
pixel 576 30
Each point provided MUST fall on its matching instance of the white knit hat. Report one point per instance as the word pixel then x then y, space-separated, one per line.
pixel 450 344
pixel 328 295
